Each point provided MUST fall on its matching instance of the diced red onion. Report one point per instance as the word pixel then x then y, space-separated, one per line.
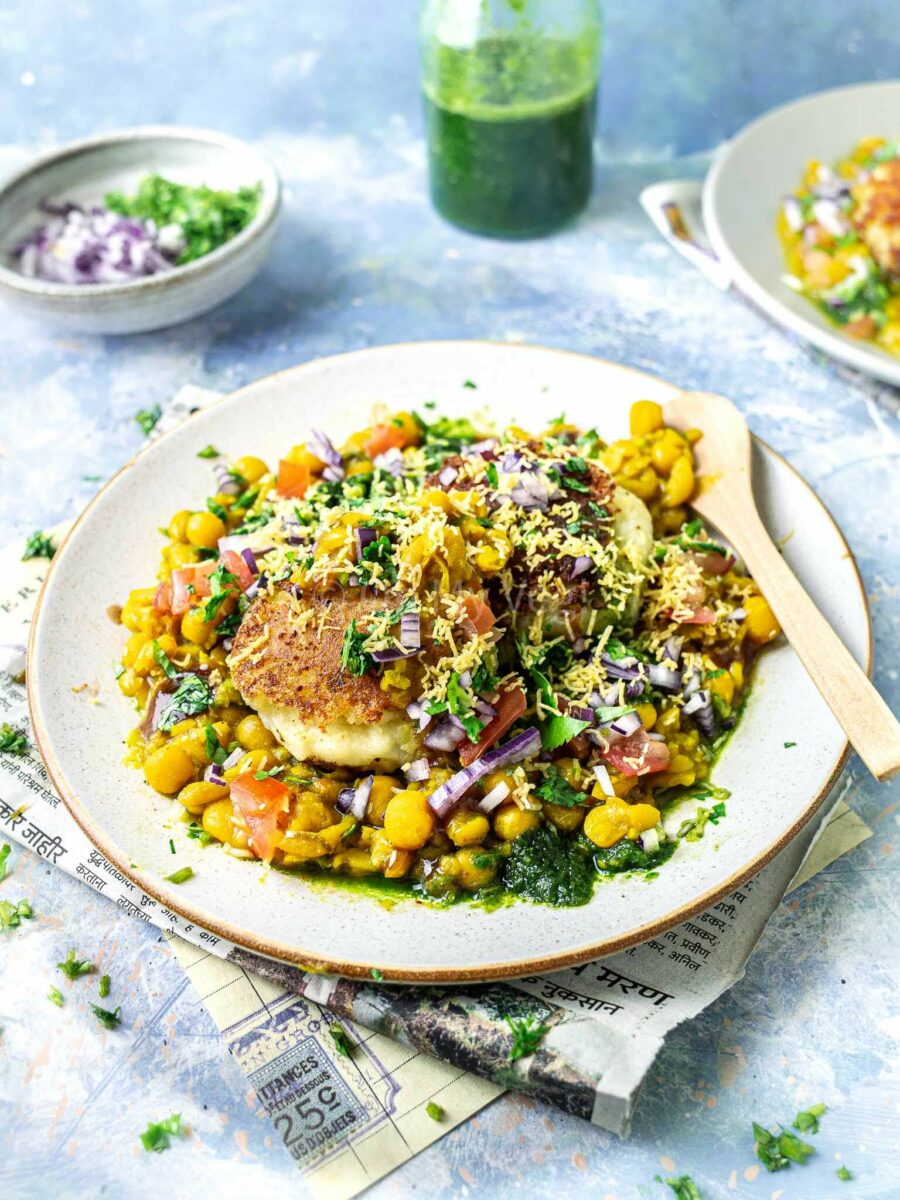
pixel 650 840
pixel 829 216
pixel 486 711
pixel 621 668
pixel 410 631
pixel 602 774
pixel 361 798
pixel 250 559
pixel 656 737
pixel 364 537
pixel 792 213
pixel 392 653
pixel 581 713
pixel 693 682
pixel 700 707
pixel 233 759
pixel 416 712
pixel 418 771
pixel 495 797
pixel 672 649
pixel 321 446
pixel 480 447
pixel 333 474
pixel 448 795
pixel 511 462
pixel 465 679
pixel 212 775
pixel 626 724
pixel 391 461
pixel 737 614
pixel 582 563
pixel 667 679
pixel 448 476
pixel 445 736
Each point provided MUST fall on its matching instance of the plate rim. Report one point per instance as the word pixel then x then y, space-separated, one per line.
pixel 316 963
pixel 876 363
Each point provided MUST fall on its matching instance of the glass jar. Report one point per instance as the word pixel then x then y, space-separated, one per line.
pixel 510 90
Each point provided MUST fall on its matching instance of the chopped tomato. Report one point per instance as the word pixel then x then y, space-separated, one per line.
pixel 638 754
pixel 194 578
pixel 478 615
pixel 700 616
pixel 382 438
pixel 293 479
pixel 263 804
pixel 714 564
pixel 162 601
pixel 235 565
pixel 510 706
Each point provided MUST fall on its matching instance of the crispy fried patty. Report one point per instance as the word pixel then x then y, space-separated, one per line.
pixel 290 672
pixel 877 215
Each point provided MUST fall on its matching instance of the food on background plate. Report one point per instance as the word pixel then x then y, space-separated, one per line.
pixel 466 662
pixel 164 225
pixel 841 237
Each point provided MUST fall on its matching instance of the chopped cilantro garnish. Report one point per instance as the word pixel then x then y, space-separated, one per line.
pixel 55 996
pixel 217 510
pixel 717 812
pixel 526 1036
pixel 39 545
pixel 5 851
pixel 157 1135
pixel 789 745
pixel 844 1173
pixel 192 697
pixel 381 551
pixel 559 730
pixel 556 790
pixel 148 419
pixel 103 987
pixel 207 217
pixel 215 751
pixel 776 1151
pixel 434 1111
pixel 576 465
pixel 11 914
pixel 12 741
pixel 342 1042
pixel 376 975
pixel 469 384
pixel 484 680
pixel 693 528
pixel 163 660
pixel 74 968
pixel 808 1120
pixel 460 705
pixel 683 1187
pixel 491 474
pixel 208 452
pixel 180 876
pixel 270 773
pixel 199 834
pixel 353 657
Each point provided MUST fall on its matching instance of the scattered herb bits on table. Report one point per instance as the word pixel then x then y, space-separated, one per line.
pixel 445 660
pixel 841 241
pixel 162 226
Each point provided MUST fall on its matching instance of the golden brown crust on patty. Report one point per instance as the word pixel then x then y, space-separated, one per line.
pixel 298 664
pixel 877 215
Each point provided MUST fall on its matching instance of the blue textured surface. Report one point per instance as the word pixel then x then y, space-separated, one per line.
pixel 330 90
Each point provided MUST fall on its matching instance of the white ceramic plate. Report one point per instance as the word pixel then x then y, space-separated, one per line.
pixel 744 189
pixel 84 172
pixel 114 547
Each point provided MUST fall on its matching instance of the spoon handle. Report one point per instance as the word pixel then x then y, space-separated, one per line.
pixel 865 718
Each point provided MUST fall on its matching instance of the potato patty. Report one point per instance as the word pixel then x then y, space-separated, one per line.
pixel 877 215
pixel 288 668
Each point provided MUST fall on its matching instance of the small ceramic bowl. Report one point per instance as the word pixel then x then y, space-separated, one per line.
pixel 83 172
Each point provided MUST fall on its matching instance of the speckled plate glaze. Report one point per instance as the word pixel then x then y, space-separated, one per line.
pixel 114 547
pixel 747 182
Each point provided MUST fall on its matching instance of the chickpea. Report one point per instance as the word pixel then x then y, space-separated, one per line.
pixel 762 624
pixel 204 529
pixel 179 555
pixel 194 628
pixel 253 735
pixel 216 820
pixel 250 468
pixel 647 713
pixel 178 526
pixel 646 417
pixel 468 828
pixel 680 485
pixel 168 769
pixel 253 760
pixel 383 788
pixel 567 819
pixel 666 450
pixel 311 814
pixel 469 869
pixel 408 820
pixel 511 822
pixel 196 796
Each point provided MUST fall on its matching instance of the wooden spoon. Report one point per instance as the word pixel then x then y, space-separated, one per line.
pixel 725 499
